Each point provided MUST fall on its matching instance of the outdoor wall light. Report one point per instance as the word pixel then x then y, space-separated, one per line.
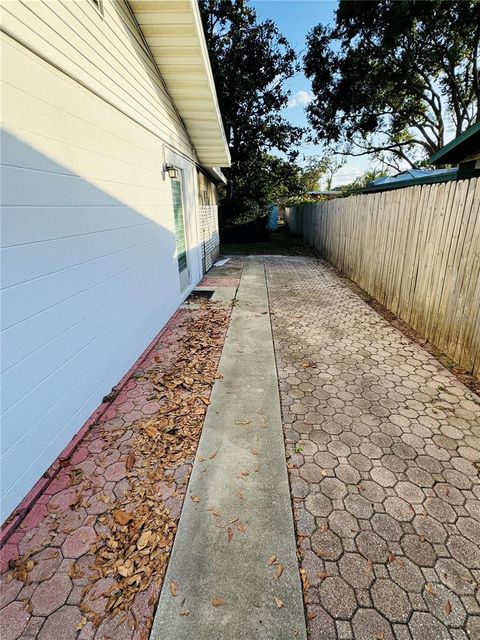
pixel 171 170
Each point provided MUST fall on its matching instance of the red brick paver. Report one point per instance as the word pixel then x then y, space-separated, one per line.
pixel 50 585
pixel 384 448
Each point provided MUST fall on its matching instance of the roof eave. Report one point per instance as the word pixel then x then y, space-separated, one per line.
pixel 451 153
pixel 217 174
pixel 157 20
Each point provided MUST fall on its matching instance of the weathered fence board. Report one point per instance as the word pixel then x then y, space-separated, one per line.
pixel 416 250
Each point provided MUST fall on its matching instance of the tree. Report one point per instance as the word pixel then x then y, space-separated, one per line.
pixel 392 76
pixel 362 181
pixel 328 165
pixel 250 62
pixel 288 181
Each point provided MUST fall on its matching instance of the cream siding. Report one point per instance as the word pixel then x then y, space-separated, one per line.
pixel 106 53
pixel 89 274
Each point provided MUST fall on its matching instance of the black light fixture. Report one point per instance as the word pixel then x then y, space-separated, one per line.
pixel 171 170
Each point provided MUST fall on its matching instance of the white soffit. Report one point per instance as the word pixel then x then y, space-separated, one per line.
pixel 174 33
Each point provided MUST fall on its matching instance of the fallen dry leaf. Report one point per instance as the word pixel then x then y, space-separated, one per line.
pixel 304 578
pixel 125 570
pixel 279 571
pixel 195 498
pixel 271 560
pixel 229 534
pixel 448 607
pixel 144 539
pixel 278 602
pixel 81 624
pixel 173 588
pixel 184 612
pixel 218 602
pixel 213 454
pixel 130 461
pixel 122 517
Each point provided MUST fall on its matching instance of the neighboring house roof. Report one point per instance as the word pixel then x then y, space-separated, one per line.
pixel 411 178
pixel 174 33
pixel 410 174
pixel 463 151
pixel 463 148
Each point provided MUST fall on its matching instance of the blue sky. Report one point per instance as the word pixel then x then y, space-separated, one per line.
pixel 295 19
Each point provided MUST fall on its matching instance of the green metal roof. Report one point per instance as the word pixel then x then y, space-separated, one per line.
pixel 444 177
pixel 459 148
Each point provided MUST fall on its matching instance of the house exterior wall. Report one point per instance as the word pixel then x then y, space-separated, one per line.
pixel 207 190
pixel 89 273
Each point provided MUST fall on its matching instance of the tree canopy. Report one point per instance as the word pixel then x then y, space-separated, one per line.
pixel 392 76
pixel 362 181
pixel 290 182
pixel 250 62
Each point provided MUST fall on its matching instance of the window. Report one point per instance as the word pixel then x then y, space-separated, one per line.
pixel 179 225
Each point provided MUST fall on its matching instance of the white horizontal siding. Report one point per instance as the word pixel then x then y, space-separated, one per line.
pixel 89 274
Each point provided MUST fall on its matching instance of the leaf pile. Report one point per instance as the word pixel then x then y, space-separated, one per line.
pixel 139 528
pixel 135 528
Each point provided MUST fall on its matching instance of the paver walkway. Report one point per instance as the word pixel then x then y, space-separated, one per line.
pixel 384 445
pixel 383 450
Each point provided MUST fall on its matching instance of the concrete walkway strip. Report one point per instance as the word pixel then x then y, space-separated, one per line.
pixel 233 573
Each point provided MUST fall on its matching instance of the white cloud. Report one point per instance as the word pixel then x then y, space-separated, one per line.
pixel 300 99
pixel 347 174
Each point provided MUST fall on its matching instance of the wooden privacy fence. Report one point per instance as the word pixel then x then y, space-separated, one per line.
pixel 416 250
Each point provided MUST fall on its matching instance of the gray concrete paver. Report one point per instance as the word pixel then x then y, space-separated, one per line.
pixel 384 445
pixel 238 514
